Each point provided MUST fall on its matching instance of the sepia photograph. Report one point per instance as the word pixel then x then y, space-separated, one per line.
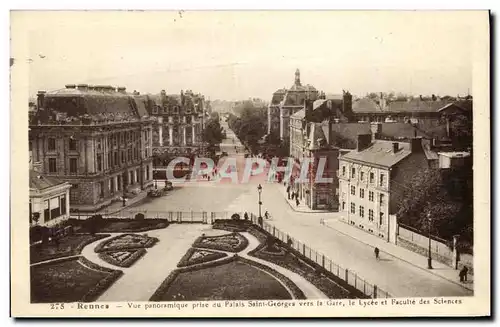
pixel 250 163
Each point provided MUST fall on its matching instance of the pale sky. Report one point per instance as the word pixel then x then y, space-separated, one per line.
pixel 236 55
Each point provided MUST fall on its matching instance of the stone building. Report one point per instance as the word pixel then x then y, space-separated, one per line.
pixel 285 103
pixel 96 138
pixel 179 122
pixel 49 199
pixel 372 179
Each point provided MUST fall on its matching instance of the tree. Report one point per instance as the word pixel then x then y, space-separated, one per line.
pixel 431 192
pixel 213 133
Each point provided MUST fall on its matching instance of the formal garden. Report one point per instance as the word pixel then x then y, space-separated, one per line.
pixel 223 265
pixel 59 273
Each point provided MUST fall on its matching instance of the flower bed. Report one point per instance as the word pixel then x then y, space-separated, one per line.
pixel 124 258
pixel 197 256
pixel 70 280
pixel 232 225
pixel 328 283
pixel 118 225
pixel 234 278
pixel 233 242
pixel 126 242
pixel 68 246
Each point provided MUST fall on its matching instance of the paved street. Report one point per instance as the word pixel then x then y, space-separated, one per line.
pixel 398 277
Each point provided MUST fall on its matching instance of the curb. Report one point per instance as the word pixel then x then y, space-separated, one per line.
pixel 302 211
pixel 397 257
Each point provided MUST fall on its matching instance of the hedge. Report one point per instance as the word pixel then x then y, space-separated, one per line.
pixel 184 262
pixel 135 256
pixel 101 246
pixel 222 246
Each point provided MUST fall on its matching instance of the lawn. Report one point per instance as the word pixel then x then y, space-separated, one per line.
pixel 278 254
pixel 68 246
pixel 115 225
pixel 232 281
pixel 67 281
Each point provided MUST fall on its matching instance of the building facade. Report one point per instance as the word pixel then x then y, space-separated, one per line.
pixel 49 200
pixel 285 103
pixel 371 182
pixel 179 122
pixel 96 138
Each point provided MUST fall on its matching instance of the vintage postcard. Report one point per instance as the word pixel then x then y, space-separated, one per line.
pixel 250 163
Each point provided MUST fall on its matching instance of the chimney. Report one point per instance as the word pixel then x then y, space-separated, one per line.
pixel 40 99
pixel 416 145
pixel 376 129
pixel 82 87
pixel 395 147
pixel 364 141
pixel 346 102
pixel 70 86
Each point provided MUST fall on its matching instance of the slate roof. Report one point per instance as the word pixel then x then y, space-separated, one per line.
pixel 77 102
pixel 380 153
pixel 41 182
pixel 416 105
pixel 365 105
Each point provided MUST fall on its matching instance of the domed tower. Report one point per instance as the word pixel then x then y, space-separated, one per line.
pixel 297 77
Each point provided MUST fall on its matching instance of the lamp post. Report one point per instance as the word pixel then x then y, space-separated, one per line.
pixel 259 188
pixel 429 258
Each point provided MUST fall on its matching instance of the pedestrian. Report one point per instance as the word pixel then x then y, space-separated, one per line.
pixel 293 195
pixel 297 201
pixel 463 274
pixel 376 251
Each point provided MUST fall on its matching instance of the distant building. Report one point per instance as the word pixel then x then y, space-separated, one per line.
pixel 285 103
pixel 49 199
pixel 96 138
pixel 179 122
pixel 426 113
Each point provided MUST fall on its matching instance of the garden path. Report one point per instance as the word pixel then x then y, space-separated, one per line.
pixel 141 280
pixel 309 290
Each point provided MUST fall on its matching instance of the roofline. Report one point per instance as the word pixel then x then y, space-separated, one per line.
pixel 371 163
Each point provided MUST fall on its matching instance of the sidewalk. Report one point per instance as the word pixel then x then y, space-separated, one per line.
pixel 415 259
pixel 118 205
pixel 302 207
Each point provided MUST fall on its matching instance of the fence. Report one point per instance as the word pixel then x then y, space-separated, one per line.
pixel 350 277
pixel 438 246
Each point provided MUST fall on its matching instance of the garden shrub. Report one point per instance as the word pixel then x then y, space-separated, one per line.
pixel 139 216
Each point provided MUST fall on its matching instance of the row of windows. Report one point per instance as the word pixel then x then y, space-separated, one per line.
pixel 361 212
pixel 131 177
pixel 112 161
pixel 370 195
pixel 52 208
pixel 362 176
pixel 122 137
pixel 175 110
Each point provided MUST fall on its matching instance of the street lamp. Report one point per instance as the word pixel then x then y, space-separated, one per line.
pixel 259 188
pixel 429 259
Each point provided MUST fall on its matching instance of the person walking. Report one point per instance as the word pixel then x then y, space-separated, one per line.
pixel 297 202
pixel 377 252
pixel 463 274
pixel 288 191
